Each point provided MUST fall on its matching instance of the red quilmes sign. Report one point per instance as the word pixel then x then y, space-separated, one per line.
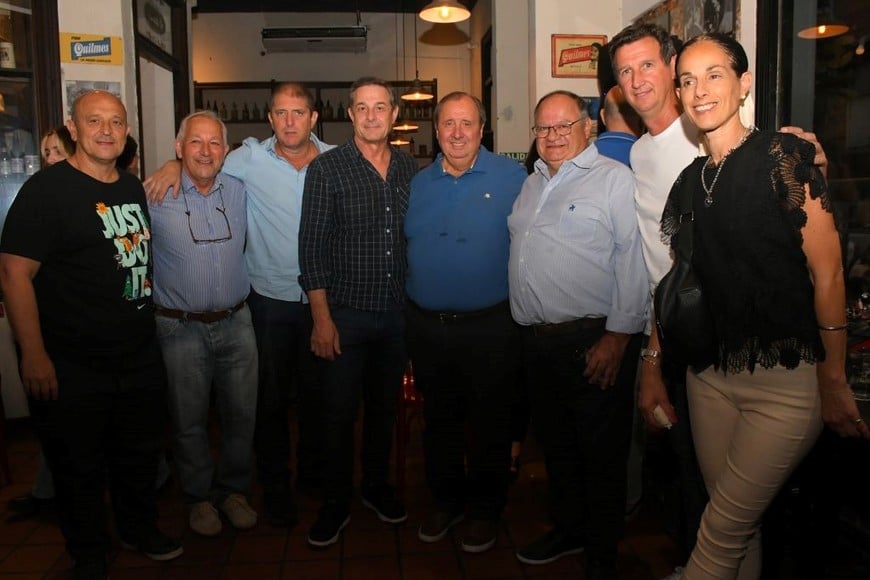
pixel 573 55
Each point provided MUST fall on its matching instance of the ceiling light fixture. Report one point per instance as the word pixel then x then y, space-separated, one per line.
pixel 826 25
pixel 417 92
pixel 444 12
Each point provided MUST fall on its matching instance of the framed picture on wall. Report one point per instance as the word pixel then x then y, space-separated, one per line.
pixel 154 22
pixel 575 55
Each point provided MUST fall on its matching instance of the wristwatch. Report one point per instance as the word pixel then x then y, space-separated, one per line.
pixel 650 353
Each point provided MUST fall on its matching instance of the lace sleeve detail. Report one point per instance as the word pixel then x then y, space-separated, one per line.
pixel 671 212
pixel 792 169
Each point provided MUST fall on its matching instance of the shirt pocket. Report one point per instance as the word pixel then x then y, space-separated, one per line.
pixel 581 221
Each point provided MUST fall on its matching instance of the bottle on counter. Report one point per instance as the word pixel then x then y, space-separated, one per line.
pixel 223 112
pixel 246 113
pixel 255 112
pixel 234 112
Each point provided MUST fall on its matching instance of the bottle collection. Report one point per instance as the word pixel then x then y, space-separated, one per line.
pixel 328 112
pixel 15 169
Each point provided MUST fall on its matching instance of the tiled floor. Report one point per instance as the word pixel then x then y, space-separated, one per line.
pixel 369 549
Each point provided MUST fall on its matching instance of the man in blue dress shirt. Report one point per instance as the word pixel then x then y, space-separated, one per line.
pixel 204 326
pixel 578 287
pixel 462 341
pixel 273 171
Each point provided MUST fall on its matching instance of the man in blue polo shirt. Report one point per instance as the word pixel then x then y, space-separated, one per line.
pixel 462 341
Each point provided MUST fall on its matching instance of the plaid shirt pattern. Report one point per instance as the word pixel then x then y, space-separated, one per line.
pixel 351 237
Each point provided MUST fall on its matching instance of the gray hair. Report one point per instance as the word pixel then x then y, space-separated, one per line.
pixel 182 128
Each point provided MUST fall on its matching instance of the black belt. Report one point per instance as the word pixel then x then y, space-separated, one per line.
pixel 448 317
pixel 563 328
pixel 198 316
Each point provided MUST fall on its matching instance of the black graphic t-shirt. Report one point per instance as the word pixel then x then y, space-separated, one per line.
pixel 93 242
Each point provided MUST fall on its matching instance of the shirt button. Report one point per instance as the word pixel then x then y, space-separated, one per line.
pixel 389 275
pixel 388 230
pixel 388 208
pixel 389 253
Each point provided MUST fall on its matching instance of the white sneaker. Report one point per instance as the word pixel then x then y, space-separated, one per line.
pixel 677 574
pixel 237 510
pixel 204 519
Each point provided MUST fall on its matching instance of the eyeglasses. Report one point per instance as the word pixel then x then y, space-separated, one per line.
pixel 221 210
pixel 562 129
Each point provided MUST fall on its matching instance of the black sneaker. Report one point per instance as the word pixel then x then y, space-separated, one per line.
pixel 549 548
pixel 438 524
pixel 155 545
pixel 280 508
pixel 90 569
pixel 333 517
pixel 382 500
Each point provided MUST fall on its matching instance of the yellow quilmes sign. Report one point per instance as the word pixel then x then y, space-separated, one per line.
pixel 91 48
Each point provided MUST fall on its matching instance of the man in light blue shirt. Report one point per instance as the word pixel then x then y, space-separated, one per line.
pixel 578 289
pixel 204 327
pixel 273 172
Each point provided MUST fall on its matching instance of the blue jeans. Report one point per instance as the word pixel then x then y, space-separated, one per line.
pixel 199 355
pixel 370 368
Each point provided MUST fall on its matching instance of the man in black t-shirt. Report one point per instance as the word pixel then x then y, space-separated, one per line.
pixel 75 267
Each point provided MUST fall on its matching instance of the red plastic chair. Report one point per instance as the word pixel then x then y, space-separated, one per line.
pixel 410 405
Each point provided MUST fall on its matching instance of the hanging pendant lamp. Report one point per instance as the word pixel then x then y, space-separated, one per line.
pixel 417 92
pixel 444 12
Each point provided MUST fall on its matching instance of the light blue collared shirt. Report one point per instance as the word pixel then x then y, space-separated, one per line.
pixel 274 190
pixel 209 275
pixel 575 249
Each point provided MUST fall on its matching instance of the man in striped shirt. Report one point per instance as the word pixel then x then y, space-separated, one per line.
pixel 204 326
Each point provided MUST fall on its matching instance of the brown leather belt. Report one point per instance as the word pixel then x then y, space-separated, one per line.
pixel 563 328
pixel 198 316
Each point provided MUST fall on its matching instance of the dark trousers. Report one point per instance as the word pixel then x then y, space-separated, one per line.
pixel 286 366
pixel 584 431
pixel 109 418
pixel 467 369
pixel 688 495
pixel 369 369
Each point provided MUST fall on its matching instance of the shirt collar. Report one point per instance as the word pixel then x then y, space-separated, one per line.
pixel 583 160
pixel 271 141
pixel 480 165
pixel 188 187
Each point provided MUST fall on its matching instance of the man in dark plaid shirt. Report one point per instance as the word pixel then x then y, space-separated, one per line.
pixel 352 259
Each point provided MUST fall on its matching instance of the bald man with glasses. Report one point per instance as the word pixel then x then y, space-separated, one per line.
pixel 204 326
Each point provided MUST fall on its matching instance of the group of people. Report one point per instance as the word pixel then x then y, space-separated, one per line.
pixel 290 268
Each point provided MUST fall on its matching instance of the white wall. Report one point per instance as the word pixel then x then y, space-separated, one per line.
pixel 511 104
pixel 227 47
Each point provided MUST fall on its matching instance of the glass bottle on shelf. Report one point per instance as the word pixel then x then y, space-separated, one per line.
pixel 328 113
pixel 255 112
pixel 266 111
pixel 223 114
pixel 234 112
pixel 246 113
pixel 339 111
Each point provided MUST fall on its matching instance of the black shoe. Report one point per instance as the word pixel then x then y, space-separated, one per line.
pixel 90 569
pixel 28 505
pixel 549 548
pixel 382 500
pixel 333 517
pixel 280 508
pixel 155 545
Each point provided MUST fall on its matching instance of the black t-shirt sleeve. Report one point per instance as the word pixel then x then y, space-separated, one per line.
pixel 31 227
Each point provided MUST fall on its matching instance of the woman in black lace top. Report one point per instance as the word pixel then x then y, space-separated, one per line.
pixel 768 255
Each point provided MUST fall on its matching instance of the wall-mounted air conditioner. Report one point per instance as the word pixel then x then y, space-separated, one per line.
pixel 315 39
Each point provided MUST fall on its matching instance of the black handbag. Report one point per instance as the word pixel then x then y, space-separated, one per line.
pixel 685 326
